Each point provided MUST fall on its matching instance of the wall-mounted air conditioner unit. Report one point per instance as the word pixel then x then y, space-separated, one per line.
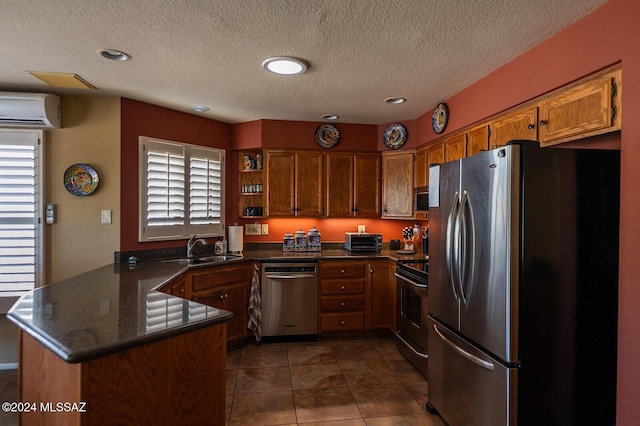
pixel 29 110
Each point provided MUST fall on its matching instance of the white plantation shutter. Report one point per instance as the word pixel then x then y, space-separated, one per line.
pixel 20 236
pixel 205 190
pixel 181 190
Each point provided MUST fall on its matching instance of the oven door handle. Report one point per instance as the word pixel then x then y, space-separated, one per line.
pixel 410 346
pixel 413 283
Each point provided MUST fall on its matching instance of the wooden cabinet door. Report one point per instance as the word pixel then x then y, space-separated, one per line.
pixel 340 183
pixel 236 299
pixel 478 140
pixel 435 155
pixel 519 125
pixel 397 184
pixel 280 187
pixel 309 183
pixel 455 147
pixel 587 108
pixel 421 170
pixel 381 290
pixel 367 185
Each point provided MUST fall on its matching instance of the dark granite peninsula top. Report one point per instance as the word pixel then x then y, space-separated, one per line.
pixel 114 308
pixel 108 310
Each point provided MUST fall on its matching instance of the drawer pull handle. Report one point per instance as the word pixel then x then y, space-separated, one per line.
pixel 342 304
pixel 342 288
pixel 342 322
pixel 342 271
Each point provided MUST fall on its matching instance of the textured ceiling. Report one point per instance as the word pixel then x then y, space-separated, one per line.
pixel 209 52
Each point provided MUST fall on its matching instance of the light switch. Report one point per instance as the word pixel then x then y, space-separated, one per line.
pixel 106 216
pixel 265 229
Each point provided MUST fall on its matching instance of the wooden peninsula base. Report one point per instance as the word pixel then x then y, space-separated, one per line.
pixel 179 380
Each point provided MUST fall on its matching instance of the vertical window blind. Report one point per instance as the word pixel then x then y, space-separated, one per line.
pixel 181 190
pixel 19 213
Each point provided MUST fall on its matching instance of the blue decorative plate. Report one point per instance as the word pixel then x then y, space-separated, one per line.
pixel 81 179
pixel 327 135
pixel 440 117
pixel 394 136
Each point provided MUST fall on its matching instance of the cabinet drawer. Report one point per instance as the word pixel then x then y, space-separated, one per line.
pixel 337 287
pixel 342 321
pixel 220 275
pixel 341 303
pixel 342 270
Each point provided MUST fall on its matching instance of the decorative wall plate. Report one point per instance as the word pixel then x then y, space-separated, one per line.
pixel 327 135
pixel 81 179
pixel 440 117
pixel 394 136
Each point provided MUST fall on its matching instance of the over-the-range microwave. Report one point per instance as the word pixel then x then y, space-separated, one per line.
pixel 362 242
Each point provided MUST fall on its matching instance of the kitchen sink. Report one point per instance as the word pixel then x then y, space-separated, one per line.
pixel 201 260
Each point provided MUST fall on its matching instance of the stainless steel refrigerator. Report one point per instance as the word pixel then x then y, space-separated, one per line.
pixel 523 278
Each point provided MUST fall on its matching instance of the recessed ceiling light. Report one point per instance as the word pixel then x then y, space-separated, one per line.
pixel 395 101
pixel 114 55
pixel 285 65
pixel 199 108
pixel 330 117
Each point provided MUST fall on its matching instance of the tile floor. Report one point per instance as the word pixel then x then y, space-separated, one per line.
pixel 333 382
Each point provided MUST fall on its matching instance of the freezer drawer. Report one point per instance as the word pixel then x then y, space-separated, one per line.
pixel 467 386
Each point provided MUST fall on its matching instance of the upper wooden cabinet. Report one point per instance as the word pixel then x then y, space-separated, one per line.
pixel 367 185
pixel 589 108
pixel 397 184
pixel 478 139
pixel 353 185
pixel 420 168
pixel 521 124
pixel 455 147
pixel 294 183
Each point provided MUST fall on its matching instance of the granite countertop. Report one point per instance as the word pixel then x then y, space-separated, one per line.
pixel 115 307
pixel 108 310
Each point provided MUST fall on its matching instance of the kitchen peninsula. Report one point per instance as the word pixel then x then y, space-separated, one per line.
pixel 113 350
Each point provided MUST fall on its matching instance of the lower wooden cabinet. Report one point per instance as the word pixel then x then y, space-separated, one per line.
pixel 223 287
pixel 342 296
pixel 381 290
pixel 356 295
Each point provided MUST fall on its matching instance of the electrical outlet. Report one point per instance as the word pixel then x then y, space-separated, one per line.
pixel 360 229
pixel 252 229
pixel 265 229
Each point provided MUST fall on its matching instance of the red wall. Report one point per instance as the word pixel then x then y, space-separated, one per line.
pixel 609 35
pixel 142 119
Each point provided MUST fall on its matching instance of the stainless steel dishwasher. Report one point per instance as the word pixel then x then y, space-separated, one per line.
pixel 289 298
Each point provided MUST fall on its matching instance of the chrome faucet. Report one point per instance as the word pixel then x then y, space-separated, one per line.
pixel 192 243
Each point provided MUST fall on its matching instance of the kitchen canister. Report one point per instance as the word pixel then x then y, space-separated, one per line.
pixel 288 242
pixel 300 240
pixel 313 239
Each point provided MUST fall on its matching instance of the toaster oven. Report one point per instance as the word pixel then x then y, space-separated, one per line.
pixel 362 242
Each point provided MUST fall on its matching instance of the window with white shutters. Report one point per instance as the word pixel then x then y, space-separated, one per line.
pixel 181 190
pixel 20 204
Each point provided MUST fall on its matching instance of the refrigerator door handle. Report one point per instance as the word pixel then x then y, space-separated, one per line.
pixel 466 263
pixel 482 363
pixel 449 246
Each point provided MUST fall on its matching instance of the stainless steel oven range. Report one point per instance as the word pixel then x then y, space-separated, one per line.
pixel 412 301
